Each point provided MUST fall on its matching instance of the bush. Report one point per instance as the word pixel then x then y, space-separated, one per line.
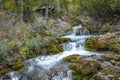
pixel 106 28
pixel 5 49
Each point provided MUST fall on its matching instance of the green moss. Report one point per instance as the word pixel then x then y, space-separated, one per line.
pixel 85 68
pixel 96 43
pixel 19 64
pixel 105 42
pixel 62 40
pixel 71 58
pixel 90 43
pixel 55 48
pixel 77 77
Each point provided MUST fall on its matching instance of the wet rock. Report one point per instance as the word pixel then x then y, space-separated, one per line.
pixel 5 77
pixel 113 62
pixel 111 77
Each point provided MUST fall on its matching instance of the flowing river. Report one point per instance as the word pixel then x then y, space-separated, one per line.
pixel 52 67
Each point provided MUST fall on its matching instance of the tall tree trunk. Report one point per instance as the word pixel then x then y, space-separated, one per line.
pixel 46 12
pixel 16 3
pixel 1 4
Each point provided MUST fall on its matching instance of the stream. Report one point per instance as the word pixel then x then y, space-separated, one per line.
pixel 52 67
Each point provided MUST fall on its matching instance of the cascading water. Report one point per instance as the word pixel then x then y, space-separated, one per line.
pixel 51 67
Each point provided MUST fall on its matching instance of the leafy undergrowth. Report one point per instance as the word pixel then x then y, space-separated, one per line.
pixel 21 41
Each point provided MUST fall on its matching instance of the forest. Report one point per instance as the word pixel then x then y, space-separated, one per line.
pixel 59 39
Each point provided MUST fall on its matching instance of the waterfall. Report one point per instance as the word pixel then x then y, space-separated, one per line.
pixel 78 36
pixel 79 30
pixel 52 67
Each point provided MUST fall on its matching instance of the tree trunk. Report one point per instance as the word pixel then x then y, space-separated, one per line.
pixel 1 4
pixel 46 12
pixel 16 3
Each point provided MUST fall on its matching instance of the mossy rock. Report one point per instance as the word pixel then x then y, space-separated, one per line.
pixel 72 58
pixel 18 65
pixel 86 67
pixel 97 43
pixel 116 47
pixel 91 43
pixel 55 48
pixel 104 42
pixel 62 40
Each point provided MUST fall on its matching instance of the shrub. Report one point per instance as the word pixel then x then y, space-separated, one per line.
pixel 105 28
pixel 4 49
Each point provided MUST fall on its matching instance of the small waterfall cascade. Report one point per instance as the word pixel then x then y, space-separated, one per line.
pixel 78 37
pixel 52 67
pixel 79 30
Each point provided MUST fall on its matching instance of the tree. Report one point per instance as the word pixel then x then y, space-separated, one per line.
pixel 16 3
pixel 46 12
